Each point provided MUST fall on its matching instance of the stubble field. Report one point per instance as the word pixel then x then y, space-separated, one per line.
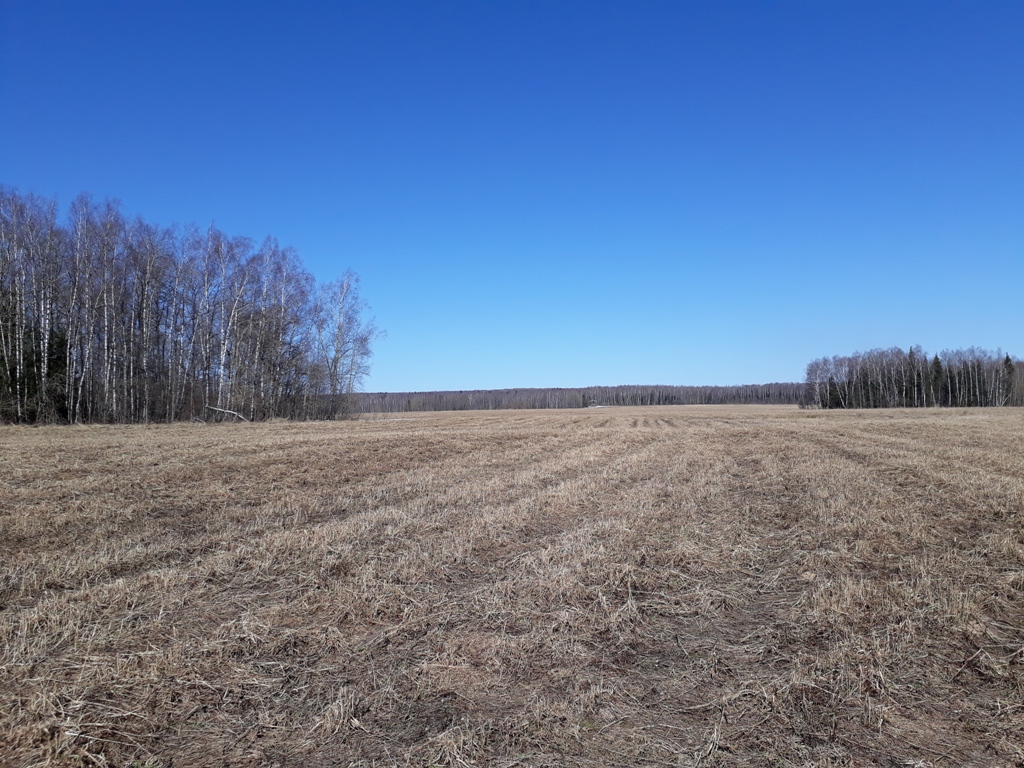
pixel 661 586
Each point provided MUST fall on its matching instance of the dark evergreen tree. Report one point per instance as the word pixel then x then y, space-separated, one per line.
pixel 938 376
pixel 1009 377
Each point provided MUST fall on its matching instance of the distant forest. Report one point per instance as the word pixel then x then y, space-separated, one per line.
pixel 110 319
pixel 115 320
pixel 494 399
pixel 892 378
pixel 881 378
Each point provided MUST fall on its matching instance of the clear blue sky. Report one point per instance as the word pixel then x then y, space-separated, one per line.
pixel 549 193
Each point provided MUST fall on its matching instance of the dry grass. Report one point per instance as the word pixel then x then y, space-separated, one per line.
pixel 671 586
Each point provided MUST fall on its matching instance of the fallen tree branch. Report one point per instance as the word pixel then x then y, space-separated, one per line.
pixel 225 410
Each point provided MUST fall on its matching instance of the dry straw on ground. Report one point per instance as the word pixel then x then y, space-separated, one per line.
pixel 670 586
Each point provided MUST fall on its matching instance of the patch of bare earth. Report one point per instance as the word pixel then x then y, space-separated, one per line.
pixel 660 586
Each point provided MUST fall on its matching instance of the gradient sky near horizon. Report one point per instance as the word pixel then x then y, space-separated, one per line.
pixel 553 193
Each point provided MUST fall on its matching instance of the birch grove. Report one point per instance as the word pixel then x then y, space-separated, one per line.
pixel 106 319
pixel 892 378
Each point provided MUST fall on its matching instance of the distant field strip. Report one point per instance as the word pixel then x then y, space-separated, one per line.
pixel 663 586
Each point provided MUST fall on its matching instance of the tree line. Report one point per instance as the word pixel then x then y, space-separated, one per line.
pixel 109 319
pixel 892 378
pixel 495 399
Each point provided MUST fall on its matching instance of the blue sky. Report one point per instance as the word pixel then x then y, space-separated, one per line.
pixel 564 193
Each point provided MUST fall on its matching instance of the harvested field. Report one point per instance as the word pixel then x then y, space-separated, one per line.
pixel 653 586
